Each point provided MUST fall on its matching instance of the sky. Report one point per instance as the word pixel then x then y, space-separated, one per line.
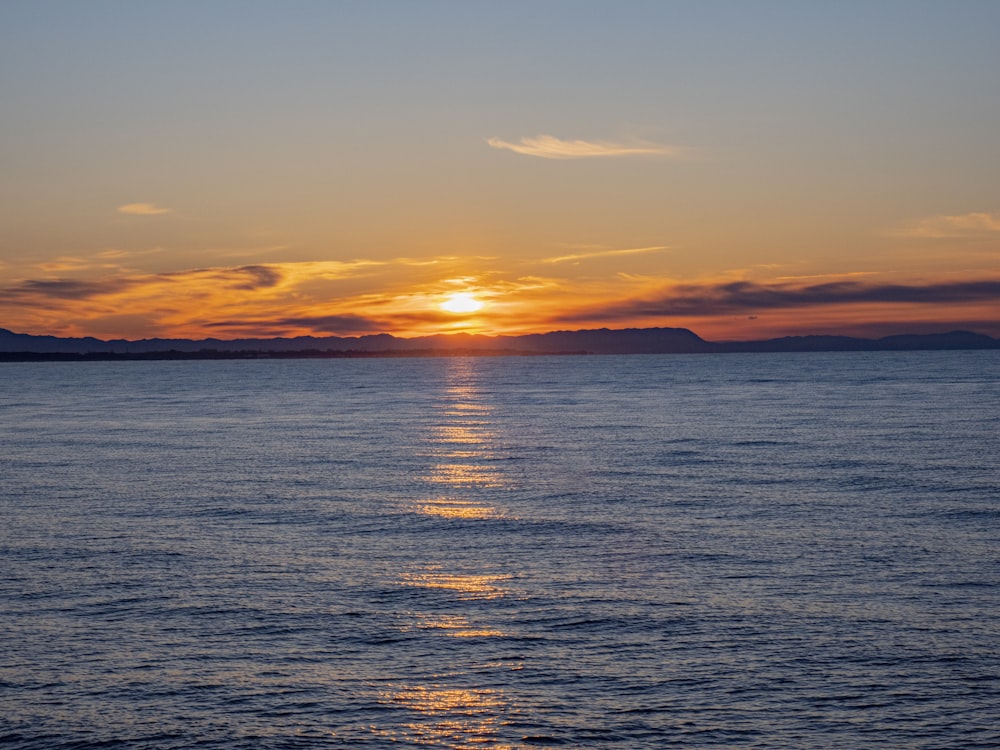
pixel 746 170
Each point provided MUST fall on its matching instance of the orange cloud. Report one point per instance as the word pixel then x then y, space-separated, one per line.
pixel 604 254
pixel 550 147
pixel 107 261
pixel 143 209
pixel 283 299
pixel 953 227
pixel 403 297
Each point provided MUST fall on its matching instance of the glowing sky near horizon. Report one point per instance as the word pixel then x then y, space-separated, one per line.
pixel 745 170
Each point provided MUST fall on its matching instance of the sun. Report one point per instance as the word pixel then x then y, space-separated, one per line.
pixel 461 302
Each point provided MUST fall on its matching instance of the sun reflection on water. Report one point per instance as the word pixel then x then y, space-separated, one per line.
pixel 463 444
pixel 467 586
pixel 460 406
pixel 448 717
pixel 456 626
pixel 455 508
pixel 463 479
pixel 464 433
pixel 467 475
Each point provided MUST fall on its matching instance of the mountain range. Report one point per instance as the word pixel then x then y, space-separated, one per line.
pixel 597 341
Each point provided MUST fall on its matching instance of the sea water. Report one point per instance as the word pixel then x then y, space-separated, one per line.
pixel 747 551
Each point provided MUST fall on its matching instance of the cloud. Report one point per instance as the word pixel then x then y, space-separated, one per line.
pixel 604 254
pixel 105 260
pixel 143 209
pixel 953 227
pixel 254 277
pixel 39 292
pixel 325 325
pixel 65 263
pixel 827 275
pixel 744 297
pixel 282 299
pixel 550 147
pixel 35 291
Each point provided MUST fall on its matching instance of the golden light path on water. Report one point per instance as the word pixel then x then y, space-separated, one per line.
pixel 466 586
pixel 451 717
pixel 458 626
pixel 462 447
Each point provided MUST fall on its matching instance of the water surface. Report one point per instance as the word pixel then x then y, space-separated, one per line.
pixel 613 552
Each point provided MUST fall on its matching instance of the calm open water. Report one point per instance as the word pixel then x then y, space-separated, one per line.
pixel 748 551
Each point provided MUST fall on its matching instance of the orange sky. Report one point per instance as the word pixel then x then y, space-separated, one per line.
pixel 344 169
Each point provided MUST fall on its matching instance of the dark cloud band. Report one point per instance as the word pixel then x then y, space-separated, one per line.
pixel 744 297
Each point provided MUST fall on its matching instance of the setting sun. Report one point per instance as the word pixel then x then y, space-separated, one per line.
pixel 461 302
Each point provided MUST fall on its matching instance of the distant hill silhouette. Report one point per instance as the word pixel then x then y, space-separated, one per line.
pixel 904 342
pixel 599 341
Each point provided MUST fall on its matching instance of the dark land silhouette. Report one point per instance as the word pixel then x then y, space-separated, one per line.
pixel 26 347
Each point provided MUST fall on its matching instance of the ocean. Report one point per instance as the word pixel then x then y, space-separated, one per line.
pixel 741 551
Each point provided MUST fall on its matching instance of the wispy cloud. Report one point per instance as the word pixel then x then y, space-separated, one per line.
pixel 108 260
pixel 604 254
pixel 848 274
pixel 143 209
pixel 318 325
pixel 745 297
pixel 248 278
pixel 281 299
pixel 952 227
pixel 550 147
pixel 40 292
